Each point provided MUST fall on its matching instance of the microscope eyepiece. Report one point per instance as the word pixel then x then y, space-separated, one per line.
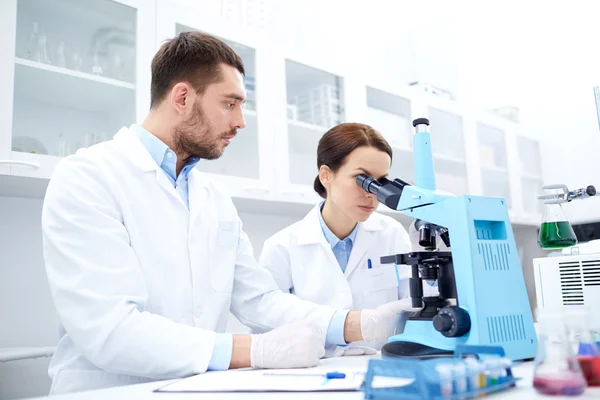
pixel 368 183
pixel 420 121
pixel 387 192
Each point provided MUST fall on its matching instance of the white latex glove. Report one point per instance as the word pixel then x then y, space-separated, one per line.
pixel 295 345
pixel 358 351
pixel 385 321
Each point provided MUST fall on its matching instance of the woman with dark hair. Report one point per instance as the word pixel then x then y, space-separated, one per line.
pixel 332 256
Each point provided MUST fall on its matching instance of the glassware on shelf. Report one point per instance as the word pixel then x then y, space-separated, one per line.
pixel 76 62
pixel 41 51
pixel 93 138
pixel 96 65
pixel 61 57
pixel 117 67
pixel 87 140
pixel 28 144
pixel 63 146
pixel 250 86
pixel 32 42
pixel 556 369
pixel 292 112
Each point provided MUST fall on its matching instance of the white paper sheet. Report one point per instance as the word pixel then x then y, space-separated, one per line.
pixel 257 381
pixel 286 381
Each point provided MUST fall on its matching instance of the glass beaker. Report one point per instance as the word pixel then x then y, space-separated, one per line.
pixel 117 67
pixel 61 57
pixel 41 51
pixel 584 344
pixel 595 325
pixel 32 42
pixel 556 370
pixel 96 65
pixel 76 62
pixel 556 231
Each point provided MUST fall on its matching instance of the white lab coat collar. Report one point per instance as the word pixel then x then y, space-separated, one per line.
pixel 311 233
pixel 128 143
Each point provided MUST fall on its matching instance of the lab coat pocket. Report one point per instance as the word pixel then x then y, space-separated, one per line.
pixel 224 254
pixel 228 233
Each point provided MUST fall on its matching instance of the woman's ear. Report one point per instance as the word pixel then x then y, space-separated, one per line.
pixel 325 176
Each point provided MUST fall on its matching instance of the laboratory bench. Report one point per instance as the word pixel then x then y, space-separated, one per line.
pixel 524 389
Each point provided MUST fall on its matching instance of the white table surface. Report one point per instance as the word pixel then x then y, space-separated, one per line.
pixel 523 390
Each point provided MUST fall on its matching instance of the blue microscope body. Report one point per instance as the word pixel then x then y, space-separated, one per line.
pixel 483 299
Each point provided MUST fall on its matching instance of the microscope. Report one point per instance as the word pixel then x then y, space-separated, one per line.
pixel 482 295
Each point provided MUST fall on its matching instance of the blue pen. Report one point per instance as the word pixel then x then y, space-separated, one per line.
pixel 328 375
pixel 369 264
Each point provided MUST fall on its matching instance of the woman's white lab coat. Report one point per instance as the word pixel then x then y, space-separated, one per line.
pixel 140 283
pixel 302 262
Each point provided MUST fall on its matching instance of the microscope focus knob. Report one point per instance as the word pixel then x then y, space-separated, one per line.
pixel 452 321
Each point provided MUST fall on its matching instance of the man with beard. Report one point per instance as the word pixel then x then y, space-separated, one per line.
pixel 145 256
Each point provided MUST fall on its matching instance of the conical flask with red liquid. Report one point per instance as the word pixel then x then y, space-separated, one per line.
pixel 556 370
pixel 584 343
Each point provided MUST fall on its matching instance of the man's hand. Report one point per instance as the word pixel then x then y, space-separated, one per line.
pixel 295 345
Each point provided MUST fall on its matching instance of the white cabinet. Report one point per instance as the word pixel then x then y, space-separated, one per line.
pixel 74 73
pixel 245 167
pixel 391 116
pixel 492 158
pixel 530 173
pixel 448 143
pixel 314 104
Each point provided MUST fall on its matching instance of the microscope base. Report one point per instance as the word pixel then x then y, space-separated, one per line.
pixel 413 350
pixel 420 340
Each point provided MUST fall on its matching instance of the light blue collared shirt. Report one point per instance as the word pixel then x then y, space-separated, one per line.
pixel 341 248
pixel 167 160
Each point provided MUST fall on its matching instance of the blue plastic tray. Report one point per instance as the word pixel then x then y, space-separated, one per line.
pixel 426 384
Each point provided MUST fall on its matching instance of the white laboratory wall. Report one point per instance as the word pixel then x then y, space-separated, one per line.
pixel 537 55
pixel 24 378
pixel 547 66
pixel 397 40
pixel 27 315
pixel 526 239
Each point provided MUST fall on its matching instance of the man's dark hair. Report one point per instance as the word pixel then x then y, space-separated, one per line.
pixel 192 57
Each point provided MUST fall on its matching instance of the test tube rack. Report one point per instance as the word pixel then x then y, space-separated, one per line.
pixel 426 382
